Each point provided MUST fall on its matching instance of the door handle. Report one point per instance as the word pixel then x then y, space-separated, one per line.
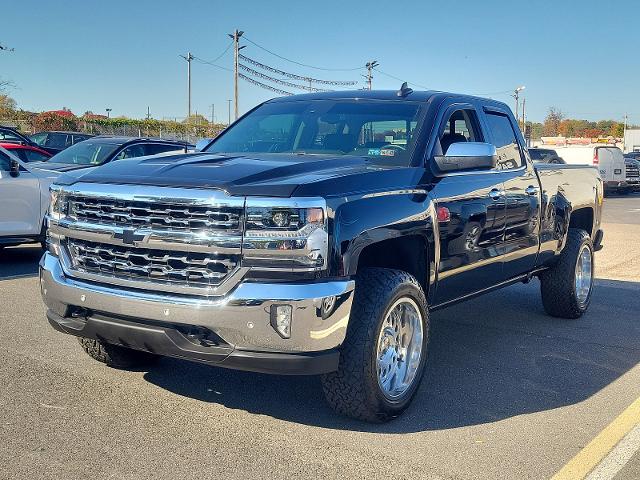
pixel 531 190
pixel 496 194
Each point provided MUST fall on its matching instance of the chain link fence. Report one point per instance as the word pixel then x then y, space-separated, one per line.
pixel 167 129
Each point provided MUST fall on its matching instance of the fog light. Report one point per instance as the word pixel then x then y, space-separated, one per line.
pixel 281 319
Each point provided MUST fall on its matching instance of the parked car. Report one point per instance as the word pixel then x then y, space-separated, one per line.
pixel 24 197
pixel 314 235
pixel 26 153
pixel 11 135
pixel 632 165
pixel 608 159
pixel 544 155
pixel 104 149
pixel 55 142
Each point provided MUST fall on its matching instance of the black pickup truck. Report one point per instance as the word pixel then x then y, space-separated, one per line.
pixel 314 236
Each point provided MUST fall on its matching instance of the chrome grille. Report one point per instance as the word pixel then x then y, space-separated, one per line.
pixel 185 268
pixel 155 215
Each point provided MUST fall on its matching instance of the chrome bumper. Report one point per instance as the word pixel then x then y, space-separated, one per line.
pixel 241 317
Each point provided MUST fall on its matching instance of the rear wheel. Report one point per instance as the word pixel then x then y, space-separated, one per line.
pixel 566 287
pixel 116 356
pixel 382 360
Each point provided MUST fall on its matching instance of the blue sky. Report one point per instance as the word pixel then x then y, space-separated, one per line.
pixel 580 56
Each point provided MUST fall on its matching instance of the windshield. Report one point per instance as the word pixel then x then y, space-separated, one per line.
pixel 382 131
pixel 85 153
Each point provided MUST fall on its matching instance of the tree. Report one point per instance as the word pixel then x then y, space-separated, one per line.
pixel 7 106
pixel 54 121
pixel 5 85
pixel 196 119
pixel 552 121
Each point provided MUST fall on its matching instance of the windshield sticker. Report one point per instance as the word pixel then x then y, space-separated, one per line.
pixel 385 152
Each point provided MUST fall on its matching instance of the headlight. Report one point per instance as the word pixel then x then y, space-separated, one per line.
pixel 57 203
pixel 288 235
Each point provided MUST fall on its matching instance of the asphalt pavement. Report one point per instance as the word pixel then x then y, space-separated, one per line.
pixel 508 393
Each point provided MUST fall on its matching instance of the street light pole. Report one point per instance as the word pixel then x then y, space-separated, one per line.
pixel 370 66
pixel 516 95
pixel 229 105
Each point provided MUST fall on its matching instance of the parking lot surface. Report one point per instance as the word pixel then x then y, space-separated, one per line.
pixel 509 393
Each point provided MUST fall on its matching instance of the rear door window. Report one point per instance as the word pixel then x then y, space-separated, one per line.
pixel 56 140
pixel 131 151
pixel 156 148
pixel 503 136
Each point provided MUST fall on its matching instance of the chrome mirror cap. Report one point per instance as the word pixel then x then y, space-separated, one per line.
pixel 471 149
pixel 466 156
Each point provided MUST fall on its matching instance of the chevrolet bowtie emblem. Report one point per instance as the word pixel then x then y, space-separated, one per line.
pixel 129 236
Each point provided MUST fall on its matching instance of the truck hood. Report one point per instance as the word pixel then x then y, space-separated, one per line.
pixel 57 167
pixel 277 175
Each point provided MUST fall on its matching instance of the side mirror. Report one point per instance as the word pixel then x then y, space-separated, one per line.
pixel 467 156
pixel 202 144
pixel 14 170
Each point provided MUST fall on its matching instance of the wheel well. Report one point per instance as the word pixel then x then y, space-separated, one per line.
pixel 582 218
pixel 407 253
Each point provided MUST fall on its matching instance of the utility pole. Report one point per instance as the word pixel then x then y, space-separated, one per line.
pixel 236 52
pixel 148 113
pixel 624 133
pixel 229 105
pixel 213 113
pixel 188 57
pixel 370 66
pixel 516 95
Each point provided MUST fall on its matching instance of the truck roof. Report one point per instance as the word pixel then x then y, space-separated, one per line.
pixel 421 96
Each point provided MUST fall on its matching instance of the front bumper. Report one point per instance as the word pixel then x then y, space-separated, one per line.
pixel 240 321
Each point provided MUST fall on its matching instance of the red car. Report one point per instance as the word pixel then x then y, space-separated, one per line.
pixel 27 153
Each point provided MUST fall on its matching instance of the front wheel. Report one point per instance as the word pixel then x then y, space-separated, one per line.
pixel 116 356
pixel 566 287
pixel 382 360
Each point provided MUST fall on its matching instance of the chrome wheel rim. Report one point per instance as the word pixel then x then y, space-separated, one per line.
pixel 399 348
pixel 584 275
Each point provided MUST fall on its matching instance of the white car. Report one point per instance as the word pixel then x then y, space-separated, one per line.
pixel 24 199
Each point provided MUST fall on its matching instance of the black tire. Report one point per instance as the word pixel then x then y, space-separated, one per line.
pixel 557 284
pixel 354 390
pixel 116 356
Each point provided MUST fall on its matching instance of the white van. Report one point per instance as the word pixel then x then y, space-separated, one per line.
pixel 608 159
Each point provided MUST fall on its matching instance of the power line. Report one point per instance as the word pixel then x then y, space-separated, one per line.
pixel 206 62
pixel 299 63
pixel 278 81
pixel 221 55
pixel 263 85
pixel 400 79
pixel 294 76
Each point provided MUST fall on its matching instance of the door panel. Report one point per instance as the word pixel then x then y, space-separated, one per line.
pixel 522 229
pixel 471 241
pixel 20 200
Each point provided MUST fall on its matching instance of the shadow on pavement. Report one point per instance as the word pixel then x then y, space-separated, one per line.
pixel 490 359
pixel 19 261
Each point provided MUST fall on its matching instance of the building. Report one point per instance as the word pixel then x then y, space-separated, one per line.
pixel 632 140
